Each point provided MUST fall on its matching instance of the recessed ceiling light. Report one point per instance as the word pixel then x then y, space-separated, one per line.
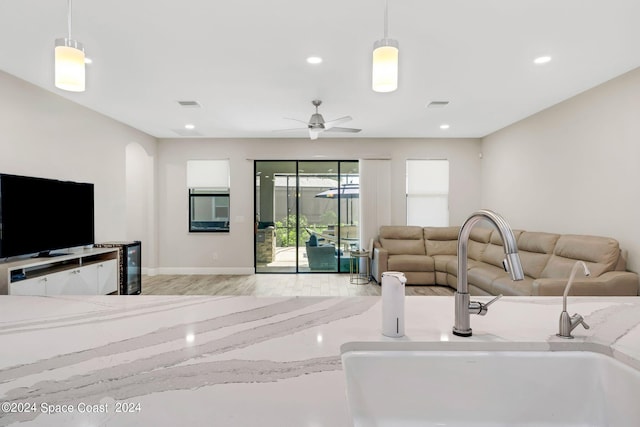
pixel 444 126
pixel 189 126
pixel 542 60
pixel 314 60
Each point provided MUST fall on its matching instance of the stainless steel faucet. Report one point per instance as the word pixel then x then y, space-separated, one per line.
pixel 463 306
pixel 569 323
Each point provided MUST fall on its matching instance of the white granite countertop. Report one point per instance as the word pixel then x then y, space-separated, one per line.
pixel 244 361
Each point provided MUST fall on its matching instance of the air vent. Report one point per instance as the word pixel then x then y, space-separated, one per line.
pixel 189 104
pixel 437 104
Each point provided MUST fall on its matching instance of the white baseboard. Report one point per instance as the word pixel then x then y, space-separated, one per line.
pixel 149 271
pixel 205 270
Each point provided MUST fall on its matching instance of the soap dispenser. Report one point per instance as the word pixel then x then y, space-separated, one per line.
pixel 393 283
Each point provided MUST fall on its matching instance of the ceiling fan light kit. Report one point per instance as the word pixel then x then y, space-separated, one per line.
pixel 69 70
pixel 384 70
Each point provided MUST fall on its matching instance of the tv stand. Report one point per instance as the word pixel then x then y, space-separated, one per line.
pixel 49 254
pixel 85 272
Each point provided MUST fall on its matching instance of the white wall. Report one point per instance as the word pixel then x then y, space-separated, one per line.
pixel 182 252
pixel 573 168
pixel 141 202
pixel 45 135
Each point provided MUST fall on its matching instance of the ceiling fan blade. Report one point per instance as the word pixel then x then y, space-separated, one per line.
pixel 333 123
pixel 297 120
pixel 337 129
pixel 289 130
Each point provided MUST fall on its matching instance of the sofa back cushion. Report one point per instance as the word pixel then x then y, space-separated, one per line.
pixel 402 240
pixel 494 252
pixel 441 240
pixel 478 240
pixel 600 253
pixel 535 250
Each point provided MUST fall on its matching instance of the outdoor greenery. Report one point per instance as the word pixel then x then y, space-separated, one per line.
pixel 286 228
pixel 329 217
pixel 286 231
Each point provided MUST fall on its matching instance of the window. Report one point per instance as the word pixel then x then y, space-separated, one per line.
pixel 428 193
pixel 208 185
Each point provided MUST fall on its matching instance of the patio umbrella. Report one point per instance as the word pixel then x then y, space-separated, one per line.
pixel 346 191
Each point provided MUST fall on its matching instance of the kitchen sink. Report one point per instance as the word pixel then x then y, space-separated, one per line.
pixel 456 388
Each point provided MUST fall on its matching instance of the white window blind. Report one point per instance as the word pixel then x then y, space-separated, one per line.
pixel 208 174
pixel 428 193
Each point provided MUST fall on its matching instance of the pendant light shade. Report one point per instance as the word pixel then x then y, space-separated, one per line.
pixel 385 65
pixel 69 61
pixel 69 65
pixel 384 71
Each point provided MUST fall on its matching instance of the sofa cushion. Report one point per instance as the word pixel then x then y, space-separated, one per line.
pixel 493 255
pixel 478 240
pixel 441 261
pixel 482 276
pixel 497 240
pixel 533 263
pixel 441 240
pixel 402 240
pixel 410 263
pixel 494 252
pixel 452 265
pixel 535 250
pixel 401 232
pixel 506 286
pixel 542 243
pixel 600 254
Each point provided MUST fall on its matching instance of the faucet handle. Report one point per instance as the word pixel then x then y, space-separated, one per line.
pixel 577 319
pixel 492 301
pixel 481 308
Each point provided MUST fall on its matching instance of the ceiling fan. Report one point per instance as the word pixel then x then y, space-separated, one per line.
pixel 317 125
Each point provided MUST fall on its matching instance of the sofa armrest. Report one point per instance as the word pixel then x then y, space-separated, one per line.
pixel 379 263
pixel 611 283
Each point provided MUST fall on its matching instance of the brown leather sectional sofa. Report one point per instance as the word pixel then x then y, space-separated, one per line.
pixel 427 256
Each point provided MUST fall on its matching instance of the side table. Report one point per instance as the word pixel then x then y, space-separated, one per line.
pixel 356 276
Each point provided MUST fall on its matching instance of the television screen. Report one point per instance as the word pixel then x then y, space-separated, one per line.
pixel 38 215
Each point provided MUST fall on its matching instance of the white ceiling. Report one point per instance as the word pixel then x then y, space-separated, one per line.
pixel 244 60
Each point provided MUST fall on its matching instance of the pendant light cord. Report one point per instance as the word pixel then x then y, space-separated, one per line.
pixel 69 18
pixel 386 18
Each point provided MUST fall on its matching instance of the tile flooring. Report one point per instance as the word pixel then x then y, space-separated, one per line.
pixel 271 285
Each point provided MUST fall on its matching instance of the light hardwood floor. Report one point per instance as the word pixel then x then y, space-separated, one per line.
pixel 271 285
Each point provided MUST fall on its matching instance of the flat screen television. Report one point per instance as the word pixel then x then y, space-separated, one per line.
pixel 39 215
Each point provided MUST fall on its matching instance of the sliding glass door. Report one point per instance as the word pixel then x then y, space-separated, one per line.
pixel 306 215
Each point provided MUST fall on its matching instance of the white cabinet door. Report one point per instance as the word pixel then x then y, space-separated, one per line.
pixel 107 277
pixel 35 286
pixel 77 281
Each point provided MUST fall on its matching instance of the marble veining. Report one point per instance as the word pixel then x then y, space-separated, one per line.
pixel 98 316
pixel 208 360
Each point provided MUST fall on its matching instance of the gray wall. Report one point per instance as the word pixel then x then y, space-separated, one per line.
pixel 45 135
pixel 181 252
pixel 573 168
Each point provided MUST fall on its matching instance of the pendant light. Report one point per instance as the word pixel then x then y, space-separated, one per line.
pixel 69 61
pixel 385 60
